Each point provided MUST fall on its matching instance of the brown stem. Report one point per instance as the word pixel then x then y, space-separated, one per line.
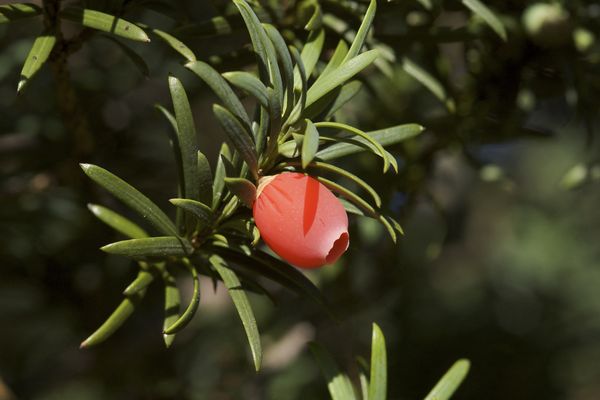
pixel 72 114
pixel 51 9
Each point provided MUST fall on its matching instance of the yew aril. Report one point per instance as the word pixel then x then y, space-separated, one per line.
pixel 301 220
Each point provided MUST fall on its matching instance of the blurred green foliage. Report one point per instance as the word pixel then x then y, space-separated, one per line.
pixel 498 200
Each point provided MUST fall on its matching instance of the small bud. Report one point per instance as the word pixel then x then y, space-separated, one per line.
pixel 301 220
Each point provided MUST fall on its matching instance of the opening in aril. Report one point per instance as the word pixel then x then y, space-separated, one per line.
pixel 339 246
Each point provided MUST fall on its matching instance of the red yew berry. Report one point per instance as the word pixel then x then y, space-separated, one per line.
pixel 301 220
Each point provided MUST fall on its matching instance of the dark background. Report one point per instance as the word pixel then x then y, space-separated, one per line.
pixel 499 200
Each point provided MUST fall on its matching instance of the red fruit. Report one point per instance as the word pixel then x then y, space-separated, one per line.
pixel 301 220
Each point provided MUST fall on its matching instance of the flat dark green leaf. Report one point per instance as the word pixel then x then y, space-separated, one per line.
pixel 255 236
pixel 346 174
pixel 117 222
pixel 105 23
pixel 378 380
pixel 375 146
pixel 281 48
pixel 303 89
pixel 310 143
pixel 135 58
pixel 274 71
pixel 336 59
pixel 298 139
pixel 338 383
pixel 230 169
pixel 131 197
pixel 188 142
pixel 396 225
pixel 393 161
pixel 263 47
pixel 359 202
pixel 174 141
pixel 289 149
pixel 255 30
pixel 326 106
pixel 277 271
pixel 150 248
pixel 274 118
pixel 364 386
pixel 316 19
pixel 317 110
pixel 205 179
pixel 363 370
pixel 286 62
pixel 202 212
pixel 39 53
pixel 240 227
pixel 141 282
pixel 173 122
pixel 350 196
pixel 386 137
pixel 451 380
pixel 250 84
pixel 361 35
pixel 222 89
pixel 429 81
pixel 220 174
pixel 16 11
pixel 191 309
pixel 351 208
pixel 487 15
pixel 347 93
pixel 388 226
pixel 175 44
pixel 339 75
pixel 240 300
pixel 311 52
pixel 172 305
pixel 115 320
pixel 252 286
pixel 239 137
pixel 263 127
pixel 243 189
